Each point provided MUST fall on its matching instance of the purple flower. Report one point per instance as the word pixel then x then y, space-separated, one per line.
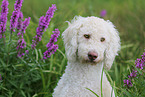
pixel 20 22
pixel 43 25
pixel 4 6
pixel 27 51
pixel 18 5
pixel 143 57
pixel 54 37
pixel 51 48
pixel 50 51
pixel 21 43
pixel 25 24
pixel 19 34
pixel 20 46
pixel 133 74
pixel 14 20
pixel 49 15
pixel 21 26
pixel 15 15
pixel 103 13
pixel 139 63
pixel 1 31
pixel 127 82
pixel 3 17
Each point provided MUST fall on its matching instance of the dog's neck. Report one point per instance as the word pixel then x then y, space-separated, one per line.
pixel 79 73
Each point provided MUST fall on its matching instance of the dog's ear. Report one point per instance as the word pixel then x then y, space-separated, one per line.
pixel 70 37
pixel 113 46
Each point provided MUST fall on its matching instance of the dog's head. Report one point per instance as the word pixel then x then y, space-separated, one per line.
pixel 91 40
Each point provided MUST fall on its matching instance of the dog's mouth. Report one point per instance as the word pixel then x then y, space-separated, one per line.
pixel 91 62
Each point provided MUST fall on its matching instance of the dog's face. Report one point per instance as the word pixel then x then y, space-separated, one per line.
pixel 91 40
pixel 92 43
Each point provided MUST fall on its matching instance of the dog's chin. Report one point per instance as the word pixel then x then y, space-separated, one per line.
pixel 91 62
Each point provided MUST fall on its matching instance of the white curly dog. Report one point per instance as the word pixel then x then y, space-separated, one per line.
pixel 90 44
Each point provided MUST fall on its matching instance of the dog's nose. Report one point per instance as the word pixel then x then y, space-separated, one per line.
pixel 92 55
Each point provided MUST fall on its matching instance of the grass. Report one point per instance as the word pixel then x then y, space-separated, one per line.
pixel 20 77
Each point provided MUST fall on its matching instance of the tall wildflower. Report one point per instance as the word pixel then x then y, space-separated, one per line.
pixel 25 24
pixel 21 42
pixel 15 15
pixel 21 26
pixel 18 5
pixel 20 22
pixel 3 17
pixel 43 25
pixel 20 46
pixel 51 47
pixel 140 64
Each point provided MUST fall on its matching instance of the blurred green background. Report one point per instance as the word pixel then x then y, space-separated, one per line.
pixel 127 15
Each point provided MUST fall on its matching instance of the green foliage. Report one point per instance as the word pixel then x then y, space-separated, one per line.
pixel 138 89
pixel 17 74
pixel 32 76
pixel 28 76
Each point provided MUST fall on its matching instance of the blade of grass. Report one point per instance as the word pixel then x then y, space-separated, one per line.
pixel 22 92
pixel 22 60
pixel 92 92
pixel 111 81
pixel 36 54
pixel 50 68
pixel 48 71
pixel 40 52
pixel 127 46
pixel 43 79
pixel 102 82
pixel 61 53
pixel 127 93
pixel 62 65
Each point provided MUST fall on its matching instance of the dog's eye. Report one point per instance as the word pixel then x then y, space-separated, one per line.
pixel 102 39
pixel 87 36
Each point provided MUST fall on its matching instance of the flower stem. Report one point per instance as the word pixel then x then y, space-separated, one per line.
pixel 3 39
pixel 10 38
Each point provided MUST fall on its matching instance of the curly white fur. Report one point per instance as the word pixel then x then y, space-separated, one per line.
pixel 81 73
